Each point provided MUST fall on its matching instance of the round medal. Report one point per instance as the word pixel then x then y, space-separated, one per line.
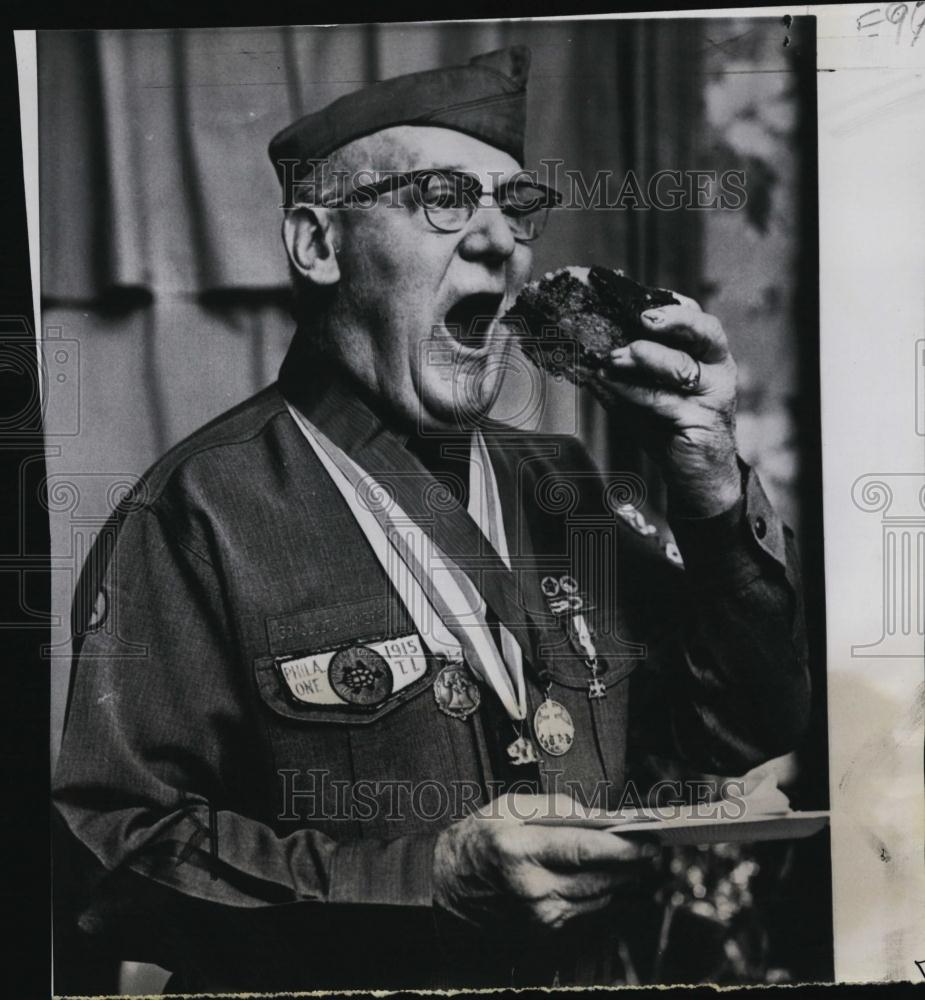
pixel 360 675
pixel 455 692
pixel 555 731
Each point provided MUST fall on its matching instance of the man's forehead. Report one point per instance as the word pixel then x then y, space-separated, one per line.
pixel 419 147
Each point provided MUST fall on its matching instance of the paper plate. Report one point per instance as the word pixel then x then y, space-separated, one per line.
pixel 702 830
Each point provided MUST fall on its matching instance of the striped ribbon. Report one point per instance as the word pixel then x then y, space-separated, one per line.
pixel 444 604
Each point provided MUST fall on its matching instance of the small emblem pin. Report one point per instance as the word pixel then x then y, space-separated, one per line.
pixel 455 692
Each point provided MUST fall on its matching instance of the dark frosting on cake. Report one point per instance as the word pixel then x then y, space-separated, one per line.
pixel 570 326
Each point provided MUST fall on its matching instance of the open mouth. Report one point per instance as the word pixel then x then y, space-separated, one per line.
pixel 469 321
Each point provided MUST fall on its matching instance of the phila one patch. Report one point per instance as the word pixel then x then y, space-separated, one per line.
pixel 364 675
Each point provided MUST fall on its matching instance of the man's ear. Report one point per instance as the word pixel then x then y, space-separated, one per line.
pixel 309 240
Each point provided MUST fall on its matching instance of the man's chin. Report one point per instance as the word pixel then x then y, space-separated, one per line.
pixel 463 401
pixel 445 418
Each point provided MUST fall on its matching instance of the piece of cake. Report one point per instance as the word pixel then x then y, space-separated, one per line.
pixel 571 319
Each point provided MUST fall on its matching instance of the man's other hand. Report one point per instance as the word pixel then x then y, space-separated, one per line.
pixel 493 867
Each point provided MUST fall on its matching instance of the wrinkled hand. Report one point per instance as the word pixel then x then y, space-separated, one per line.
pixel 492 868
pixel 689 433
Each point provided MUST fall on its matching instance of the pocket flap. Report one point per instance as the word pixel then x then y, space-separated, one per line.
pixel 616 660
pixel 353 683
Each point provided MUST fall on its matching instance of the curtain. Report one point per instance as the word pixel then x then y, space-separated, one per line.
pixel 155 178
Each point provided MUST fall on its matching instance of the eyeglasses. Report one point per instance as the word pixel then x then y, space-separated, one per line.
pixel 449 199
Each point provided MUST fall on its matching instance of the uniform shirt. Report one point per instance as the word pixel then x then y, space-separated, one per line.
pixel 254 841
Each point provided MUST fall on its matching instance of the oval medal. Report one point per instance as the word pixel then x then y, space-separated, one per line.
pixel 555 731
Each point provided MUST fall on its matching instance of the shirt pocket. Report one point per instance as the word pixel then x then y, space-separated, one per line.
pixel 388 754
pixel 596 764
pixel 343 665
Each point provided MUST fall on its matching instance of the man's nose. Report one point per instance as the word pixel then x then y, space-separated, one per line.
pixel 488 236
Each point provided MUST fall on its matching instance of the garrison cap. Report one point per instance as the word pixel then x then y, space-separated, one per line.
pixel 487 99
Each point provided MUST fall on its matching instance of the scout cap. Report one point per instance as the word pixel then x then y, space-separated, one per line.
pixel 486 98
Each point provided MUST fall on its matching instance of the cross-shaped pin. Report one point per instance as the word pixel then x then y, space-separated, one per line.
pixel 596 688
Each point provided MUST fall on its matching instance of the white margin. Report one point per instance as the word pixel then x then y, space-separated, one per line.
pixel 27 72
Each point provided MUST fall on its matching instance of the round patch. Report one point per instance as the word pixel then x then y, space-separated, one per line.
pixel 550 586
pixel 555 731
pixel 360 675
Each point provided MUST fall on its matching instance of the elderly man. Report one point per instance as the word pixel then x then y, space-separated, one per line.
pixel 294 739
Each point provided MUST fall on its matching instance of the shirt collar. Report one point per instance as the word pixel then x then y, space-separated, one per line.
pixel 334 402
pixel 342 408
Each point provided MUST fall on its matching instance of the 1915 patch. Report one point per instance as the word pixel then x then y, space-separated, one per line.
pixel 363 674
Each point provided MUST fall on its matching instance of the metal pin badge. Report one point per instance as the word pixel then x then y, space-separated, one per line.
pixel 455 692
pixel 554 728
